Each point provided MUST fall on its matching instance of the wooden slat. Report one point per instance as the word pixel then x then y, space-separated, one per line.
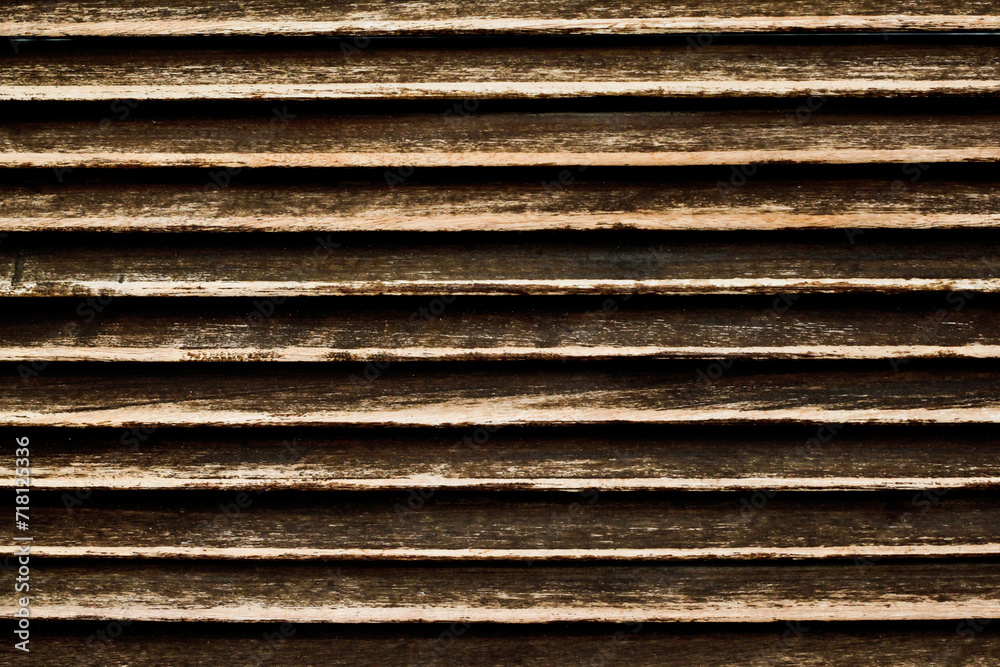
pixel 366 265
pixel 343 206
pixel 831 457
pixel 311 17
pixel 315 592
pixel 638 138
pixel 568 527
pixel 959 326
pixel 440 395
pixel 390 72
pixel 969 643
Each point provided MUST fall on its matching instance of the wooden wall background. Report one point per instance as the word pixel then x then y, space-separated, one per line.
pixel 474 333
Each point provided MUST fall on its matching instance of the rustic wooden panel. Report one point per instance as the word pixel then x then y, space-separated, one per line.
pixel 954 325
pixel 564 527
pixel 510 393
pixel 484 265
pixel 880 69
pixel 317 592
pixel 971 643
pixel 335 205
pixel 635 138
pixel 828 457
pixel 312 17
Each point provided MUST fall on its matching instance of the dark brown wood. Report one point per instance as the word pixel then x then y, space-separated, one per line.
pixel 320 592
pixel 972 643
pixel 80 204
pixel 677 138
pixel 327 265
pixel 783 327
pixel 389 72
pixel 587 526
pixel 827 457
pixel 312 17
pixel 497 395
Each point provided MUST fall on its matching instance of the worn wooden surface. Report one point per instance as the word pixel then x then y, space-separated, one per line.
pixel 388 71
pixel 576 202
pixel 545 265
pixel 517 400
pixel 504 394
pixel 317 592
pixel 311 17
pixel 587 526
pixel 809 457
pixel 785 327
pixel 509 139
pixel 972 643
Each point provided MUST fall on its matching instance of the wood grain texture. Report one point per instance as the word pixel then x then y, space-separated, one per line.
pixel 622 458
pixel 317 592
pixel 334 205
pixel 643 645
pixel 309 265
pixel 484 72
pixel 636 138
pixel 311 17
pixel 580 527
pixel 507 394
pixel 950 326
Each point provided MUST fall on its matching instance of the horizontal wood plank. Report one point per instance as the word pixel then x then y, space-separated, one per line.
pixel 971 643
pixel 622 458
pixel 81 204
pixel 311 17
pixel 954 326
pixel 496 395
pixel 635 138
pixel 567 527
pixel 309 265
pixel 484 72
pixel 319 592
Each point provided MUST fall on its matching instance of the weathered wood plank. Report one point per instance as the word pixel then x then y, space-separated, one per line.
pixel 484 72
pixel 312 265
pixel 830 457
pixel 317 592
pixel 956 325
pixel 458 395
pixel 579 204
pixel 971 643
pixel 564 527
pixel 636 138
pixel 311 17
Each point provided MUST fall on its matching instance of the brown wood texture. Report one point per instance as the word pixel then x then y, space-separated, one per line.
pixel 316 592
pixel 337 205
pixel 311 17
pixel 509 139
pixel 575 527
pixel 972 643
pixel 310 265
pixel 619 458
pixel 496 395
pixel 786 327
pixel 481 72
pixel 442 395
